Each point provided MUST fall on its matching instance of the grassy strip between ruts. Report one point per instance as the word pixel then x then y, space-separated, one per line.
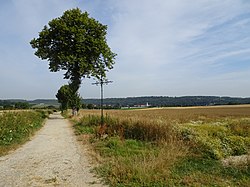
pixel 17 127
pixel 155 153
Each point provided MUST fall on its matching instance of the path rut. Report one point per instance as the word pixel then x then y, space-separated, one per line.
pixel 52 158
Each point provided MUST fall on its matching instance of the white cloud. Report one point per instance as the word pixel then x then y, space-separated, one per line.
pixel 159 40
pixel 174 47
pixel 158 29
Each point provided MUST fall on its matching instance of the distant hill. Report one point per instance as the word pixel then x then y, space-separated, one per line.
pixel 44 101
pixel 38 103
pixel 158 101
pixel 170 101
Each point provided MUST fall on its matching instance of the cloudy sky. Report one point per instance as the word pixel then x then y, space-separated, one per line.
pixel 164 47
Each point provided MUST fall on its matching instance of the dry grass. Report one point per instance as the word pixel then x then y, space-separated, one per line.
pixel 145 170
pixel 131 163
pixel 237 161
pixel 177 114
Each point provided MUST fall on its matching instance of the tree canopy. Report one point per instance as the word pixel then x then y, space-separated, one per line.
pixel 68 98
pixel 77 44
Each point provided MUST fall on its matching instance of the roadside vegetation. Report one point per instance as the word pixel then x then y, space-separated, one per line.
pixel 206 146
pixel 17 127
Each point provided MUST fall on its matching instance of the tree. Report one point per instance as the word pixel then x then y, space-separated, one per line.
pixel 22 105
pixel 68 98
pixel 75 101
pixel 76 43
pixel 90 106
pixel 63 96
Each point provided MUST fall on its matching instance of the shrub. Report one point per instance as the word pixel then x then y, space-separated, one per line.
pixel 236 144
pixel 217 141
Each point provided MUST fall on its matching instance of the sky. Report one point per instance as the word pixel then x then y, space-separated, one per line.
pixel 164 48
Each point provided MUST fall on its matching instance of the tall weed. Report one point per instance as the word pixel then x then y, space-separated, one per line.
pixel 128 128
pixel 16 127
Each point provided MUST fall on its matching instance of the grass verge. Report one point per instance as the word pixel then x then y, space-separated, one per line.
pixel 17 127
pixel 198 171
pixel 136 153
pixel 162 152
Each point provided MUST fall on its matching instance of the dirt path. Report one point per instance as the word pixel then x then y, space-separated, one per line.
pixel 52 158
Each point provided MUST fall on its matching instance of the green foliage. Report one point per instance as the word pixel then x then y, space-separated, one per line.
pixel 15 127
pixel 196 171
pixel 75 101
pixel 68 97
pixel 236 145
pixel 22 105
pixel 219 140
pixel 83 129
pixel 114 146
pixel 76 43
pixel 44 113
pixel 90 106
pixel 161 101
pixel 14 104
pixel 63 96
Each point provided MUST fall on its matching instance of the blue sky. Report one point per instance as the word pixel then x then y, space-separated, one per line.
pixel 169 48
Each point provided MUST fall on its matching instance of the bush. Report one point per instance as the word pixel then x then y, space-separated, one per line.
pixel 236 145
pixel 45 113
pixel 217 141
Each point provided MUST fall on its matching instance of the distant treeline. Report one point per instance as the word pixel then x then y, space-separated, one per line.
pixel 9 104
pixel 24 104
pixel 162 101
pixel 151 101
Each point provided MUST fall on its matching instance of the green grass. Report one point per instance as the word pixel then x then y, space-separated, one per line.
pixel 86 125
pixel 197 171
pixel 17 127
pixel 114 146
pixel 135 163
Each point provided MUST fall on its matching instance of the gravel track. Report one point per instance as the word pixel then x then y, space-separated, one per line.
pixel 52 158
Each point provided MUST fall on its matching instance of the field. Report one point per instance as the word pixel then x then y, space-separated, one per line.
pixel 180 114
pixel 17 126
pixel 193 146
